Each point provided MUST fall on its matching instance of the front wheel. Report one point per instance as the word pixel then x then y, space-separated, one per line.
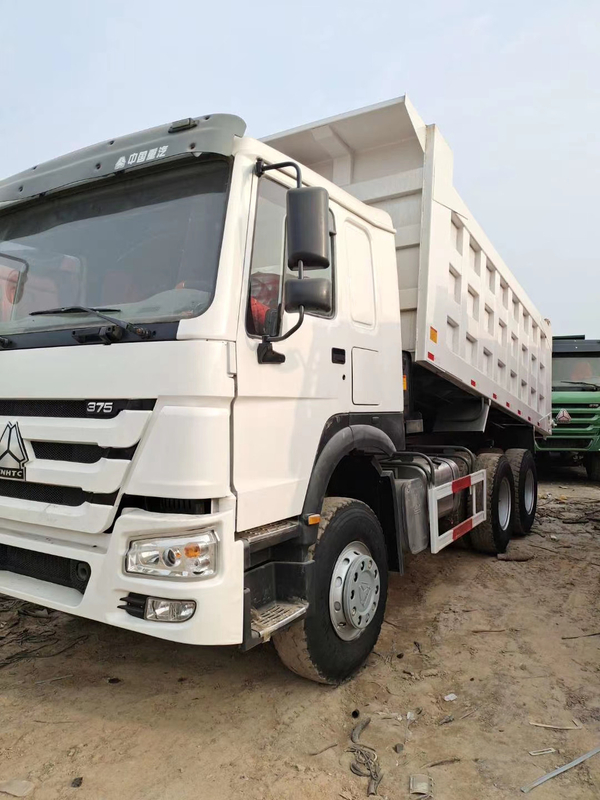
pixel 348 596
pixel 592 466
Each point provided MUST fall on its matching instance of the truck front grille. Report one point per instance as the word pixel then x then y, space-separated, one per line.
pixel 47 493
pixel 79 453
pixel 45 567
pixel 45 427
pixel 555 442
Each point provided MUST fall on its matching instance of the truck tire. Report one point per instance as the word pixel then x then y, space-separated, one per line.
pixel 342 625
pixel 526 489
pixel 493 535
pixel 592 466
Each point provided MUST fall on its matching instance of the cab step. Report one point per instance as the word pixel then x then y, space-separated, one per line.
pixel 271 617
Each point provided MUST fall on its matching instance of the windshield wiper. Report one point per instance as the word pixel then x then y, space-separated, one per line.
pixel 594 386
pixel 143 333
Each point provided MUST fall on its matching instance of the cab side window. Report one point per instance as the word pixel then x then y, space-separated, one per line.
pixel 268 255
pixel 268 268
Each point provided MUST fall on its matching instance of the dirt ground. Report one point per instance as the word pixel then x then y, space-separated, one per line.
pixel 141 719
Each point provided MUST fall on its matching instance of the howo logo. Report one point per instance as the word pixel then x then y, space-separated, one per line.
pixel 13 455
pixel 364 590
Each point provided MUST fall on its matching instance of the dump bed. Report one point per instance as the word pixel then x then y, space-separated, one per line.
pixel 464 315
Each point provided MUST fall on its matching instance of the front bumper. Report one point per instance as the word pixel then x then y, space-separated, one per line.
pixel 219 600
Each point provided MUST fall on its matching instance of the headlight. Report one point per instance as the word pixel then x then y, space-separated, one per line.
pixel 192 556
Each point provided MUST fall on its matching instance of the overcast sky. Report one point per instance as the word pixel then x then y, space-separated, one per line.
pixel 512 85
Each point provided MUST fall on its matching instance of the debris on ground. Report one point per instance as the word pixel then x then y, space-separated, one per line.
pixel 31 610
pixel 443 762
pixel 383 715
pixel 519 556
pixel 560 770
pixel 17 788
pixel 575 727
pixel 76 782
pixel 358 729
pixel 491 630
pixel 545 752
pixel 450 698
pixel 398 748
pixel 52 680
pixel 323 749
pixel 445 720
pixel 365 763
pixel 421 785
pixel 40 651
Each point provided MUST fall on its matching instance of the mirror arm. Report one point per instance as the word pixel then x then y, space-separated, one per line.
pixel 262 167
pixel 287 335
pixel 265 352
pixel 300 315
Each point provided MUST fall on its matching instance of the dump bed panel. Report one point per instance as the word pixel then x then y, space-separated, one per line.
pixel 463 313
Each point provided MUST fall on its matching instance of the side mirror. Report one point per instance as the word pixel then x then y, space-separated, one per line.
pixel 13 272
pixel 308 227
pixel 314 294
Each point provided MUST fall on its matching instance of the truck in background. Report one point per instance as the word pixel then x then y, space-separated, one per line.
pixel 575 405
pixel 241 379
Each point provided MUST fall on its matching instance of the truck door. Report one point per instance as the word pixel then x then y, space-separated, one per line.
pixel 281 410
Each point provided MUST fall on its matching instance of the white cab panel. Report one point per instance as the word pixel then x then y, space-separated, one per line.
pixel 194 444
pixel 366 377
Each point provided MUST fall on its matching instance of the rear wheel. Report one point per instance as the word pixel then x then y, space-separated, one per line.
pixel 493 535
pixel 522 463
pixel 592 466
pixel 348 596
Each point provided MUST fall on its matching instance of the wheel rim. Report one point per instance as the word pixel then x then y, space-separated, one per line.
pixel 529 491
pixel 504 503
pixel 354 592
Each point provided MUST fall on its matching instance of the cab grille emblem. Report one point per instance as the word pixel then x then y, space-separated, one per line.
pixel 13 455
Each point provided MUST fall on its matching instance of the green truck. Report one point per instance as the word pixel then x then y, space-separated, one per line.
pixel 575 437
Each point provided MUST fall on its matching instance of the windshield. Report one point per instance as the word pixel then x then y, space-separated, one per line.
pixel 583 369
pixel 146 247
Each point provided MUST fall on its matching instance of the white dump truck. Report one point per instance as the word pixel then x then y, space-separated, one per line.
pixel 241 378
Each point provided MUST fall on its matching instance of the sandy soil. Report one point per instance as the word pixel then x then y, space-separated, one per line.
pixel 140 719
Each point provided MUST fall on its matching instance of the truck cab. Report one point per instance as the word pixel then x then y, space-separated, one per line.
pixel 234 393
pixel 575 404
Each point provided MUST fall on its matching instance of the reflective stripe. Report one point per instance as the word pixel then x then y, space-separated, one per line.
pixel 461 529
pixel 461 483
